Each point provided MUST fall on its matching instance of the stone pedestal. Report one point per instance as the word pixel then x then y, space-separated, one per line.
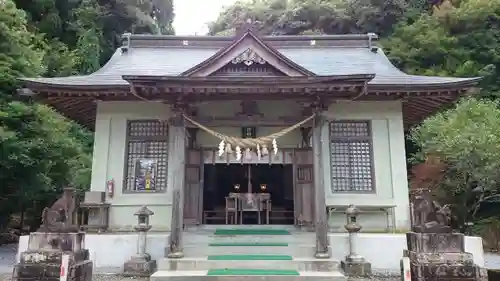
pixel 140 266
pixel 42 260
pixel 356 268
pixel 440 257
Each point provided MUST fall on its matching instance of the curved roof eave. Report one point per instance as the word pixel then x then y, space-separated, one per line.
pixel 452 83
pixel 49 83
pixel 269 79
pixel 62 84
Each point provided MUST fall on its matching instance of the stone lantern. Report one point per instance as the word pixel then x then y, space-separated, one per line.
pixel 143 215
pixel 141 264
pixel 354 264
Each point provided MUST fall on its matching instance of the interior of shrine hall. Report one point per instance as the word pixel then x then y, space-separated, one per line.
pixel 223 181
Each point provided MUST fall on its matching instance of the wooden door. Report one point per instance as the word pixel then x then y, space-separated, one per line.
pixel 193 192
pixel 303 187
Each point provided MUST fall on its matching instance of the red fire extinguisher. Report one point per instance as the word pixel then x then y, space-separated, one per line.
pixel 110 188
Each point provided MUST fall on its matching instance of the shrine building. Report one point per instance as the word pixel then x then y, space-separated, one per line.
pixel 283 130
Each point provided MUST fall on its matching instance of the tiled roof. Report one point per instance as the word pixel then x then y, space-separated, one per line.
pixel 320 59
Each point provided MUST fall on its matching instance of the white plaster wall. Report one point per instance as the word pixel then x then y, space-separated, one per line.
pixel 109 163
pixel 110 251
pixel 388 144
pixel 391 181
pixel 384 251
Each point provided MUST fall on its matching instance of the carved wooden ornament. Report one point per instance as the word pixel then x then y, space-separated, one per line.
pixel 248 57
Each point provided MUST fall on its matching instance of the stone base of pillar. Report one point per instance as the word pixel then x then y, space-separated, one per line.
pixel 175 255
pixel 322 255
pixel 356 268
pixel 139 266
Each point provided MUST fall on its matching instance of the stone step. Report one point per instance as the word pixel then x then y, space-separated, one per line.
pixel 196 250
pixel 299 238
pixel 299 264
pixel 201 275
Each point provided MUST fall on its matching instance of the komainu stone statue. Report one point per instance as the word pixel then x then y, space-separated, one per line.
pixel 435 252
pixel 58 236
pixel 426 213
pixel 59 217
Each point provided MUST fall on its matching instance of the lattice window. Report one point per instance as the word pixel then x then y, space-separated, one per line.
pixel 351 156
pixel 147 156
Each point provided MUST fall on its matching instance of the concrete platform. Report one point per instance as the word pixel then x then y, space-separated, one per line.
pixel 110 251
pixel 299 264
pixel 201 275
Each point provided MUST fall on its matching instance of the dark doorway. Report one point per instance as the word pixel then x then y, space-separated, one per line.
pixel 222 179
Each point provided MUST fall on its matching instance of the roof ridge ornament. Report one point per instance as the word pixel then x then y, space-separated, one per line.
pixel 248 57
pixel 372 37
pixel 248 26
pixel 125 42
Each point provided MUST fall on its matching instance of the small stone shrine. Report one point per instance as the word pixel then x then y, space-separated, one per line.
pixel 94 212
pixel 56 237
pixel 434 251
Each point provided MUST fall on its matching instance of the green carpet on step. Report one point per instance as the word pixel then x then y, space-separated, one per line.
pixel 242 271
pixel 251 231
pixel 257 244
pixel 250 257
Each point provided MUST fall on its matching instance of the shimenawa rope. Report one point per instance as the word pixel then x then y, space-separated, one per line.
pixel 249 142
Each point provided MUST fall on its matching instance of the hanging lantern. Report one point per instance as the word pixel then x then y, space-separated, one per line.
pixel 264 150
pixel 221 148
pixel 275 147
pixel 248 154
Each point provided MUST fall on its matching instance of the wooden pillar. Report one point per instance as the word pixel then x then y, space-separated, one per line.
pixel 178 160
pixel 319 190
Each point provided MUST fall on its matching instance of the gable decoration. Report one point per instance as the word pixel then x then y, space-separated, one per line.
pixel 248 57
pixel 260 145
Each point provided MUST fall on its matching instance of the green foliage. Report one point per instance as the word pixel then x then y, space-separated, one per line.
pixel 467 139
pixel 318 16
pixel 461 40
pixel 41 151
pixel 19 55
pixel 489 230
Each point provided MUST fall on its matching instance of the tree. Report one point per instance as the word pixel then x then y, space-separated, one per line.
pixel 19 53
pixel 466 138
pixel 41 150
pixel 318 16
pixel 461 40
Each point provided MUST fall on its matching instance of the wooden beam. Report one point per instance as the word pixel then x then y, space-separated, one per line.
pixel 241 121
